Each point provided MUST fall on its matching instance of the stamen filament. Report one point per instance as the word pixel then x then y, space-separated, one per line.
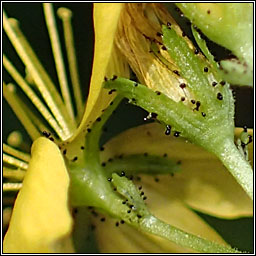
pixel 13 173
pixel 16 153
pixel 56 49
pixel 20 113
pixel 65 15
pixel 12 186
pixel 37 120
pixel 32 96
pixel 41 78
pixel 14 161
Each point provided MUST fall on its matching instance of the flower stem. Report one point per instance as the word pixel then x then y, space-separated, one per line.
pixel 155 226
pixel 237 165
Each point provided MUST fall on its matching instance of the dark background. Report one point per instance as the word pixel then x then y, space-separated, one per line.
pixel 238 233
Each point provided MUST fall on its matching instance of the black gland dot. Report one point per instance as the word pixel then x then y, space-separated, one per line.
pixel 82 147
pixel 193 101
pixel 140 187
pixel 51 138
pixel 109 179
pixel 176 72
pixel 219 96
pixel 122 221
pixel 214 83
pixel 182 85
pixel 111 91
pixel 105 79
pixel 156 179
pixel 103 164
pixel 89 130
pixel 145 154
pixel 111 103
pixel 74 159
pixel 203 114
pixel 102 148
pixel 158 93
pixel 122 173
pixel 208 11
pixel 250 139
pixel 117 224
pixel 176 134
pixel 139 216
pixel 114 78
pixel 154 115
pixel 142 193
pixel 46 134
pixel 102 219
pixel 245 128
pixel 182 98
pixel 198 104
pixel 196 51
pixel 169 24
pixel 164 48
pixel 165 155
pixel 183 34
pixel 144 198
pixel 168 130
pixel 222 83
pixel 64 152
pixel 98 119
pixel 135 84
pixel 129 211
pixel 205 69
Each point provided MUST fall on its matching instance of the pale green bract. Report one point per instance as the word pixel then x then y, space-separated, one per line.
pixel 231 26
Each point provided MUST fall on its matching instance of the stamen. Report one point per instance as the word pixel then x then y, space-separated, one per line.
pixel 65 15
pixel 41 78
pixel 12 186
pixel 14 161
pixel 16 153
pixel 37 120
pixel 13 173
pixel 11 98
pixel 32 96
pixel 56 49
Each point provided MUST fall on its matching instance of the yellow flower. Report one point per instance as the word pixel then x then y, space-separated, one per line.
pixel 54 178
pixel 41 219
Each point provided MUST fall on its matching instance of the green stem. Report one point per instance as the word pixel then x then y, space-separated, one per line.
pixel 145 221
pixel 237 165
pixel 155 226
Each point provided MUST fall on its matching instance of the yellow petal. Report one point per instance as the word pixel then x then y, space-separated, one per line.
pixel 203 183
pixel 107 62
pixel 41 221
